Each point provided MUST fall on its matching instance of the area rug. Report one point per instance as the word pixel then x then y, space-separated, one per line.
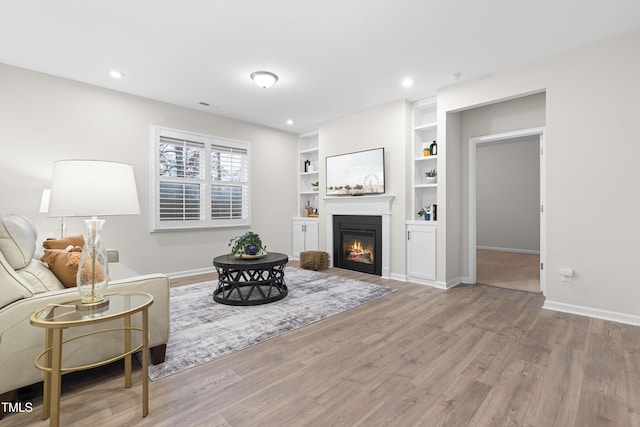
pixel 202 330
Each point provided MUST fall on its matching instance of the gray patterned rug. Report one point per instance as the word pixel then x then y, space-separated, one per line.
pixel 202 330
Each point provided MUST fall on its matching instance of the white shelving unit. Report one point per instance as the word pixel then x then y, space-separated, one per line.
pixel 421 235
pixel 425 131
pixel 308 172
pixel 305 228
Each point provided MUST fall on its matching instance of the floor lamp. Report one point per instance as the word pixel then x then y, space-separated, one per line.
pixel 92 188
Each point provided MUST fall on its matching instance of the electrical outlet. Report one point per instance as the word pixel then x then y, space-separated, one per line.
pixel 566 274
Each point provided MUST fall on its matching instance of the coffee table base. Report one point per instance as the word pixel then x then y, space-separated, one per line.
pixel 250 286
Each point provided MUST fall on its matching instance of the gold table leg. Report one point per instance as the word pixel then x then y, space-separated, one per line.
pixel 127 348
pixel 56 366
pixel 145 362
pixel 46 387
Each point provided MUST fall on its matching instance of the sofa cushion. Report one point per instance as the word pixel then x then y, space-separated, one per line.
pixel 12 286
pixel 39 278
pixel 17 240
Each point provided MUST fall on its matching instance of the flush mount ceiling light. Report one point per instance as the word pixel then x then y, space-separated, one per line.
pixel 407 82
pixel 116 74
pixel 264 79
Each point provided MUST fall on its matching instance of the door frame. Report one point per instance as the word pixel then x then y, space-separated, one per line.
pixel 472 227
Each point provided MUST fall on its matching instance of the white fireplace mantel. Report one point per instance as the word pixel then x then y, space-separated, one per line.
pixel 363 205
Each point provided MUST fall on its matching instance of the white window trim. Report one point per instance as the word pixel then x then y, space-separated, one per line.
pixel 154 181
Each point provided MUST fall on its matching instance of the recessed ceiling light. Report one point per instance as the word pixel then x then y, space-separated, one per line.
pixel 454 76
pixel 290 122
pixel 116 74
pixel 407 82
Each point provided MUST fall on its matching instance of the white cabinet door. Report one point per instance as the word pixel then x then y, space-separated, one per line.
pixel 311 236
pixel 305 236
pixel 298 238
pixel 421 252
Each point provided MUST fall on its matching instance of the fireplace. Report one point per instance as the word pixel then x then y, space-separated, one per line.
pixel 357 243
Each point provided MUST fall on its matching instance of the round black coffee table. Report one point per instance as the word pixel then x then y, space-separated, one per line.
pixel 250 281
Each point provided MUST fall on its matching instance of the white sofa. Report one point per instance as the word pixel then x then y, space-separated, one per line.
pixel 26 285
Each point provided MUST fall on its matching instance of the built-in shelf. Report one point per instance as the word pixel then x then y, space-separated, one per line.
pixel 426 126
pixel 425 158
pixel 425 132
pixel 421 235
pixel 308 154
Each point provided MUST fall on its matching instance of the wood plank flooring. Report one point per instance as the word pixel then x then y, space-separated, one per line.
pixel 475 355
pixel 509 270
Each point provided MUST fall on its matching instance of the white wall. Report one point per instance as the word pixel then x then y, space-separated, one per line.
pixel 591 156
pixel 386 126
pixel 45 118
pixel 508 194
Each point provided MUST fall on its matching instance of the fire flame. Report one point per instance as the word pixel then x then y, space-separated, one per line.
pixel 358 253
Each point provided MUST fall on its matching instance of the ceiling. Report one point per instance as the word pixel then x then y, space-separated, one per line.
pixel 333 57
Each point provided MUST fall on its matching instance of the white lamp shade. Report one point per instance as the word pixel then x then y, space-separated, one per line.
pixel 92 188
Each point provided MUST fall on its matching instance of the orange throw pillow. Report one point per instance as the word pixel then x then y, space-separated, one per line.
pixel 52 243
pixel 63 264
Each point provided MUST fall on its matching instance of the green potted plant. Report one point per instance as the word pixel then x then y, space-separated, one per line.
pixel 247 244
pixel 314 186
pixel 425 212
pixel 432 176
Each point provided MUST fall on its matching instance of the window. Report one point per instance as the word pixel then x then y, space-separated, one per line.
pixel 199 181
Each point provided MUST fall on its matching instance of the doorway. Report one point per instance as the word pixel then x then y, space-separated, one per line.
pixel 506 209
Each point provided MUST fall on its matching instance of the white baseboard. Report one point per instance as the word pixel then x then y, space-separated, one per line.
pixel 517 251
pixel 178 274
pixel 399 277
pixel 455 282
pixel 629 319
pixel 436 283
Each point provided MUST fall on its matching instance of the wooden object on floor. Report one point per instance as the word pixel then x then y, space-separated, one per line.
pixel 474 355
pixel 314 260
pixel 158 354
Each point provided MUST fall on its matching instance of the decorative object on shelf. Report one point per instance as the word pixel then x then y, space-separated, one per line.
pixel 264 79
pixel 433 148
pixel 307 165
pixel 313 213
pixel 307 209
pixel 82 188
pixel 314 186
pixel 426 213
pixel 432 176
pixel 426 152
pixel 249 245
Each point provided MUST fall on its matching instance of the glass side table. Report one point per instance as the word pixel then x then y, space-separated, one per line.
pixel 55 318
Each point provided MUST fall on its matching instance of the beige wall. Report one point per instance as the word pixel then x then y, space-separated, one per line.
pixel 591 156
pixel 386 126
pixel 508 194
pixel 44 118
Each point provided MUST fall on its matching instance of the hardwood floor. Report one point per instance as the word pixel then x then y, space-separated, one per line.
pixel 509 270
pixel 474 355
